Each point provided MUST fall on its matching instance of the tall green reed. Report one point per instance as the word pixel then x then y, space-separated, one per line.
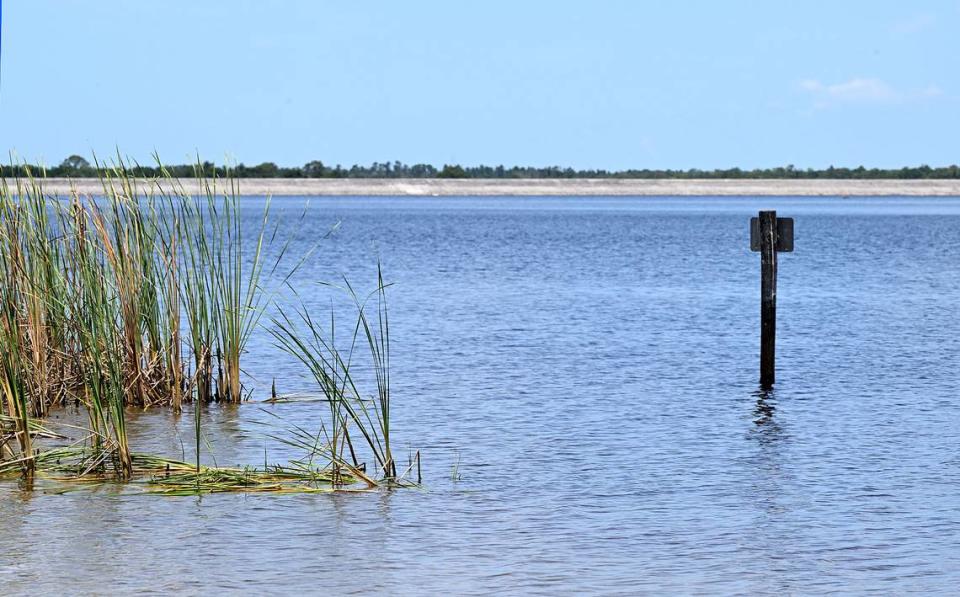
pixel 97 294
pixel 340 379
pixel 13 392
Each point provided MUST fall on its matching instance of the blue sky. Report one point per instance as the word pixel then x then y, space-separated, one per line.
pixel 599 84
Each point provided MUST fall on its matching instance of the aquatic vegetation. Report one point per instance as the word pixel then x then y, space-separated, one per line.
pixel 335 372
pixel 68 465
pixel 16 424
pixel 117 274
pixel 147 296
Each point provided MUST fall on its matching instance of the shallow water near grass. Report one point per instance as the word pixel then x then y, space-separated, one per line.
pixel 580 377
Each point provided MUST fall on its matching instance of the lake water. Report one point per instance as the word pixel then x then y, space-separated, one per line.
pixel 580 377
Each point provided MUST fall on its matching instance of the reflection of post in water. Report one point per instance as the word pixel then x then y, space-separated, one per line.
pixel 764 410
pixel 768 473
pixel 767 483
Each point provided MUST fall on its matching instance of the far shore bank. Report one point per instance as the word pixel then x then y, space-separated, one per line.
pixel 554 187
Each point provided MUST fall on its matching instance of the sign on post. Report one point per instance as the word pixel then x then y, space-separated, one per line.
pixel 784 235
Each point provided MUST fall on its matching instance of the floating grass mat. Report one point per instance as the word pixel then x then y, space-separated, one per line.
pixel 68 466
pixel 8 425
pixel 251 480
pixel 72 463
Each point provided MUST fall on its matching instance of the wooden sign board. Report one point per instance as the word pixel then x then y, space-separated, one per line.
pixel 784 235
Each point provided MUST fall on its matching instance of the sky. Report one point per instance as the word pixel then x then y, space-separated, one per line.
pixel 588 84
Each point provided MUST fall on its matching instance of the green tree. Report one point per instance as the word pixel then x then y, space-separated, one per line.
pixel 454 171
pixel 314 169
pixel 266 170
pixel 75 162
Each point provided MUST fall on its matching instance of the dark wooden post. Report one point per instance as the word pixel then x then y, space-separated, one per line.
pixel 768 296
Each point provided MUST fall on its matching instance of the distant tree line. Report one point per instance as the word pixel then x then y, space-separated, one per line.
pixel 76 166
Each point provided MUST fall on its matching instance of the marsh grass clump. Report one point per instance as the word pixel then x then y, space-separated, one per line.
pixel 91 299
pixel 148 296
pixel 340 378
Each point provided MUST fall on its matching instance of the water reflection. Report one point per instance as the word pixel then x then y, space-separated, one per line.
pixel 769 435
pixel 769 488
pixel 767 426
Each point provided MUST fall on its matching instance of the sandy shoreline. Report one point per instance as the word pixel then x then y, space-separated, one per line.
pixel 558 187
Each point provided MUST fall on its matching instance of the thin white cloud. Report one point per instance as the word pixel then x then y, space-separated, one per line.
pixel 914 24
pixel 930 91
pixel 863 91
pixel 854 90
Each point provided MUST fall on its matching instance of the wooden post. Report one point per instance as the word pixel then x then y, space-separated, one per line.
pixel 768 296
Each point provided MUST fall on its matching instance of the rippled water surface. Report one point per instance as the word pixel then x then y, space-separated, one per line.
pixel 580 376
